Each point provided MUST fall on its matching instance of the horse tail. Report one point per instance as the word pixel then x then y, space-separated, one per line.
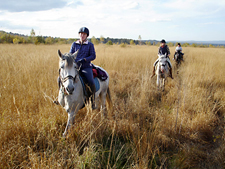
pixel 109 100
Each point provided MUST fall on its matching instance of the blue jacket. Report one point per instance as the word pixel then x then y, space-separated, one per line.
pixel 87 51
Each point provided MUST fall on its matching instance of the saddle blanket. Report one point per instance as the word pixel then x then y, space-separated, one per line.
pixel 98 72
pixel 97 84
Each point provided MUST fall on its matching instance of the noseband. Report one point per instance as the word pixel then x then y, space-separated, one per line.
pixel 63 80
pixel 67 78
pixel 160 68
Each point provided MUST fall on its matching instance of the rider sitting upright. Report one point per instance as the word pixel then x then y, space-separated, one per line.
pixel 178 50
pixel 163 49
pixel 84 57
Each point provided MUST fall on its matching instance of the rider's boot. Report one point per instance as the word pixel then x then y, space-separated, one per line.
pixel 59 85
pixel 153 72
pixel 93 90
pixel 171 76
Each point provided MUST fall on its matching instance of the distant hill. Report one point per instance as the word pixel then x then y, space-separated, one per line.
pixel 202 42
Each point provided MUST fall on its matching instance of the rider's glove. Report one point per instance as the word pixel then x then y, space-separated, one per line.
pixel 81 61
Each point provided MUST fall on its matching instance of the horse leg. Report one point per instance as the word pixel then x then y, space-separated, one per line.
pixel 61 98
pixel 71 117
pixel 158 81
pixel 103 102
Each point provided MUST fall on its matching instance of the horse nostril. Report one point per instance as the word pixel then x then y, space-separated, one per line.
pixel 70 89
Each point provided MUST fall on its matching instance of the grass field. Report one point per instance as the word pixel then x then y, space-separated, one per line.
pixel 182 127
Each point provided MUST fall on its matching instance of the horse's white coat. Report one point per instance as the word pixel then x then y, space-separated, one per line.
pixel 162 71
pixel 71 95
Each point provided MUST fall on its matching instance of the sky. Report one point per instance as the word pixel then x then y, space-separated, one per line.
pixel 172 20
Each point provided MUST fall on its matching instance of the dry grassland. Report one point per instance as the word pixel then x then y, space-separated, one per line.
pixel 182 127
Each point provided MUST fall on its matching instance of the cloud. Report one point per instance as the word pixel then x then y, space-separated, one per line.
pixel 31 5
pixel 127 18
pixel 131 5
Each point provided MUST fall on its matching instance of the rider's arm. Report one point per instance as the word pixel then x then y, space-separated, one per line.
pixel 72 49
pixel 159 51
pixel 92 54
pixel 168 51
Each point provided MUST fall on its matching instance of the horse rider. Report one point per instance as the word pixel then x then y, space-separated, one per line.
pixel 84 57
pixel 178 49
pixel 163 49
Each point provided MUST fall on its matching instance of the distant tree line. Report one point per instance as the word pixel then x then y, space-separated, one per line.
pixel 16 38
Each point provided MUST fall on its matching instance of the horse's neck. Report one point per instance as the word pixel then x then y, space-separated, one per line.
pixel 78 84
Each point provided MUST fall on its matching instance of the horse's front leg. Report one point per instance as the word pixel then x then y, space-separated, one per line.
pixel 71 116
pixel 61 98
pixel 158 81
pixel 163 84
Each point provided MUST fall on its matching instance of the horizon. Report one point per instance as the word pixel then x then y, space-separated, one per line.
pixel 214 42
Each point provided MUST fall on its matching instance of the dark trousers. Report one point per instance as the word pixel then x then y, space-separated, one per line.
pixel 87 75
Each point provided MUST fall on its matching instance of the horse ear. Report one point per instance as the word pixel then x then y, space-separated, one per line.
pixel 75 54
pixel 60 54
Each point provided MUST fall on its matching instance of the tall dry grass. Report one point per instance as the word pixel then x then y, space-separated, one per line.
pixel 182 127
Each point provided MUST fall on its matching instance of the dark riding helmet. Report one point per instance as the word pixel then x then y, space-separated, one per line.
pixel 179 44
pixel 162 41
pixel 84 30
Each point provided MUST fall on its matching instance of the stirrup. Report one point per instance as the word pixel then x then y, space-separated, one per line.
pixel 56 102
pixel 93 107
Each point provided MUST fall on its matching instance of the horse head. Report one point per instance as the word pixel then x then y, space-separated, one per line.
pixel 68 71
pixel 162 63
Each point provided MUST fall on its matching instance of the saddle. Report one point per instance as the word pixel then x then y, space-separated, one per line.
pixel 178 55
pixel 98 73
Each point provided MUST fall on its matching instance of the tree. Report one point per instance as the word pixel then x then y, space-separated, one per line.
pixel 170 44
pixel 139 38
pixel 71 40
pixel 186 44
pixel 102 39
pixel 123 45
pixel 32 36
pixel 148 43
pixel 94 40
pixel 16 40
pixel 109 43
pixel 194 45
pixel 62 41
pixel 132 42
pixel 49 40
pixel 7 38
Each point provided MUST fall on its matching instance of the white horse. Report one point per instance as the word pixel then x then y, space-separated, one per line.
pixel 162 71
pixel 71 94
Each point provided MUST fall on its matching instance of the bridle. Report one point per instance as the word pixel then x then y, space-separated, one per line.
pixel 64 79
pixel 67 78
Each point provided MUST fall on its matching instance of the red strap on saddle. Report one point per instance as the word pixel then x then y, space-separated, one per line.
pixel 95 73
